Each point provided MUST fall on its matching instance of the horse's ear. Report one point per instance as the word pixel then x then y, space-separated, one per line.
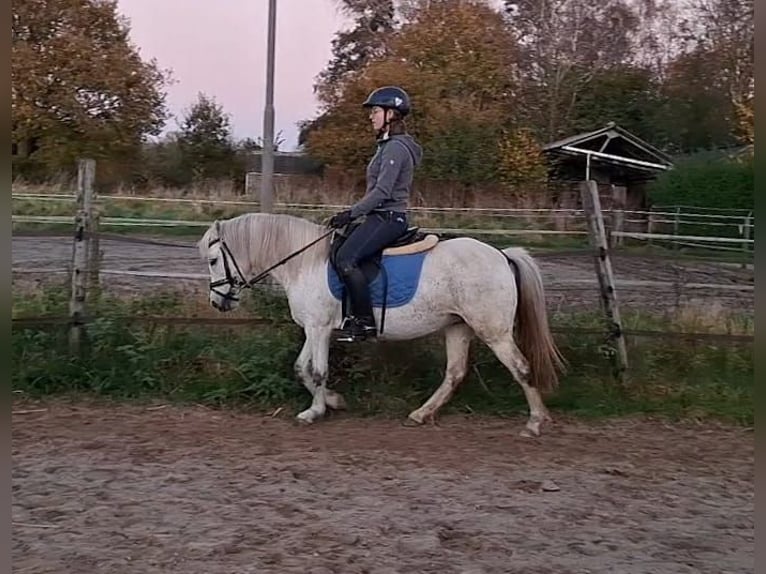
pixel 217 228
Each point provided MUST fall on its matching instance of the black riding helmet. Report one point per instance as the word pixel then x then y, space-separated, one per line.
pixel 391 98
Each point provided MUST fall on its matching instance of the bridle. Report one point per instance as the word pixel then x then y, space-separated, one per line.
pixel 230 280
pixel 239 281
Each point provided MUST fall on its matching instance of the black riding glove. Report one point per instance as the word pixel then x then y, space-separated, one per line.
pixel 340 219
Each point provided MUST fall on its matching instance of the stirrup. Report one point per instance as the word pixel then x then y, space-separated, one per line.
pixel 352 330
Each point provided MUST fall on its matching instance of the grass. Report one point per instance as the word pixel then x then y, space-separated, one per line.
pixel 251 367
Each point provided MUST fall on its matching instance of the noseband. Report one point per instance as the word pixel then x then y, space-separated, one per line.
pixel 239 281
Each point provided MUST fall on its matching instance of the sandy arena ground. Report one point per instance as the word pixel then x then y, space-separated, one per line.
pixel 117 489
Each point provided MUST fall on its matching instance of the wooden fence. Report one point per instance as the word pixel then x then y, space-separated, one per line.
pixel 602 239
pixel 677 226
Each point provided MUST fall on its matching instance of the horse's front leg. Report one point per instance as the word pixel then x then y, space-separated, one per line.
pixel 319 341
pixel 304 372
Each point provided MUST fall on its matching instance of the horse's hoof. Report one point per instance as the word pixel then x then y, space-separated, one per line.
pixel 304 419
pixel 410 422
pixel 527 433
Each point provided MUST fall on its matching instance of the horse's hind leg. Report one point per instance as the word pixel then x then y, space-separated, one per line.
pixel 458 342
pixel 510 355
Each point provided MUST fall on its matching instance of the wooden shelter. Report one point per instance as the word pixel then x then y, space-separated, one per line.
pixel 610 156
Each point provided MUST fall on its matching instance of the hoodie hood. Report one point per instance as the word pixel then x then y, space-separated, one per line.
pixel 412 146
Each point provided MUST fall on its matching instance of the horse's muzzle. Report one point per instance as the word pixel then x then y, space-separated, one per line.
pixel 222 306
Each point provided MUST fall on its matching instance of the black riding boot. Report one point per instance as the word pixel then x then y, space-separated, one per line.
pixel 360 324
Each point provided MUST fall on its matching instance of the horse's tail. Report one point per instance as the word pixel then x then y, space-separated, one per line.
pixel 534 335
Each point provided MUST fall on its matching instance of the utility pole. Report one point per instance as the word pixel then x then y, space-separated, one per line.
pixel 267 165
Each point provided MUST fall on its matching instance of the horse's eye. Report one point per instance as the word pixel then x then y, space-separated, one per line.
pixel 214 260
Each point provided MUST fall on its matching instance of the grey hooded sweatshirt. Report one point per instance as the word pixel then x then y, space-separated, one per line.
pixel 389 176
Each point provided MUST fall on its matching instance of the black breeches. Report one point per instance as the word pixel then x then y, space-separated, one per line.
pixel 368 239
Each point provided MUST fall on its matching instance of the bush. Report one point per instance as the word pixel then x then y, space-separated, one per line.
pixel 707 180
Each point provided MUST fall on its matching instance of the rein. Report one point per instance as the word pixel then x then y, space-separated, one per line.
pixel 244 283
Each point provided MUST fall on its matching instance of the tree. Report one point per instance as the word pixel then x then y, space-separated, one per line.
pixel 729 36
pixel 521 159
pixel 162 165
pixel 205 139
pixel 456 60
pixel 374 20
pixel 250 144
pixel 78 86
pixel 695 113
pixel 563 45
pixel 745 128
pixel 352 51
pixel 728 45
pixel 625 94
pixel 707 87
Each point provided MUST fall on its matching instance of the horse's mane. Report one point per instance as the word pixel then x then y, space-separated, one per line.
pixel 259 240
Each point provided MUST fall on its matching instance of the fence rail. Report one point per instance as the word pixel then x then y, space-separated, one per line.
pixel 602 242
pixel 512 211
pixel 639 235
pixel 626 284
pixel 62 320
pixel 700 229
pixel 151 222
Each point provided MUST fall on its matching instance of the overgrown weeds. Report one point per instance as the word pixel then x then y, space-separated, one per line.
pixel 251 366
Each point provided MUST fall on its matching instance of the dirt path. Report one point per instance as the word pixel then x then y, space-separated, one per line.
pixel 190 490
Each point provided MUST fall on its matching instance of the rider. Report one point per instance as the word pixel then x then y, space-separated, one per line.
pixel 389 180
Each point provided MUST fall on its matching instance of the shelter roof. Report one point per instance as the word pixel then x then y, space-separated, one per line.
pixel 612 144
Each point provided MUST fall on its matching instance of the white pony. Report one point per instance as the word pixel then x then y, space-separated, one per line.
pixel 466 288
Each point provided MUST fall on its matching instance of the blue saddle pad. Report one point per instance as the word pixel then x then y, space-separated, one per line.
pixel 402 272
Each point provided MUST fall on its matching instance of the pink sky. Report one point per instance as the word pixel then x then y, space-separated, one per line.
pixel 219 48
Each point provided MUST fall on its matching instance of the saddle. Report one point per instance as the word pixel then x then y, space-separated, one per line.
pixel 411 242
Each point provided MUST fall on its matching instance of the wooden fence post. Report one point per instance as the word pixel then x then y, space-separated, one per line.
pixel 746 237
pixel 94 251
pixel 677 229
pixel 86 171
pixel 619 200
pixel 597 233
